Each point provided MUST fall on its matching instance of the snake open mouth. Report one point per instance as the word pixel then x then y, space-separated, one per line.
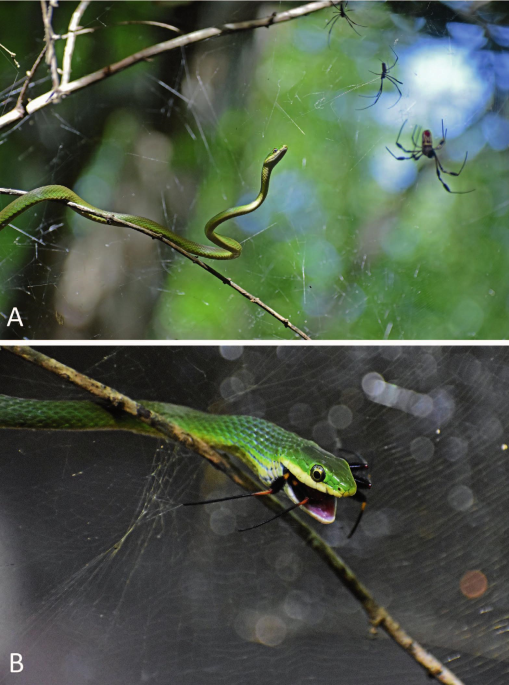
pixel 320 506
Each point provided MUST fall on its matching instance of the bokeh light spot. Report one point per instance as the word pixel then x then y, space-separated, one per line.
pixel 231 352
pixel 222 522
pixel 422 449
pixel 340 416
pixel 270 630
pixel 473 584
pixel 461 498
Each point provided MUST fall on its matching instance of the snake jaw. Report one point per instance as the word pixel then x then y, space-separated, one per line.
pixel 321 505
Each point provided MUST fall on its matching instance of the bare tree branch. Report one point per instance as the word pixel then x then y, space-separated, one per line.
pixel 71 40
pixel 63 90
pixel 94 29
pixel 113 218
pixel 20 105
pixel 51 58
pixel 378 615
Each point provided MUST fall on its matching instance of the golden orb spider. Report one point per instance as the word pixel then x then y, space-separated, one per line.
pixel 341 13
pixel 426 149
pixel 384 75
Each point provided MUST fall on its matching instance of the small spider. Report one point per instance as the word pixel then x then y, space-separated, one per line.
pixel 384 74
pixel 341 14
pixel 426 148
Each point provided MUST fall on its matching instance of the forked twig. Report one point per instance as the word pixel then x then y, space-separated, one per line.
pixel 11 54
pixel 157 236
pixel 378 615
pixel 51 58
pixel 63 90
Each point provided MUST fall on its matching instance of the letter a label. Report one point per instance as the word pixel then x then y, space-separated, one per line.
pixel 15 317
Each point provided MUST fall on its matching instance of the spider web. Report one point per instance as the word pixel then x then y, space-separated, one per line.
pixel 349 244
pixel 106 579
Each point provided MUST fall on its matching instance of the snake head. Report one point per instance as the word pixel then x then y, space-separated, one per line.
pixel 275 156
pixel 319 476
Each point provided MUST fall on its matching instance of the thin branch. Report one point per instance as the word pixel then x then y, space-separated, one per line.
pixel 113 218
pixel 20 105
pixel 93 29
pixel 51 57
pixel 71 40
pixel 173 44
pixel 11 54
pixel 145 22
pixel 378 615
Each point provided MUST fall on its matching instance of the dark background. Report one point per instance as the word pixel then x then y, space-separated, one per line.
pixel 103 578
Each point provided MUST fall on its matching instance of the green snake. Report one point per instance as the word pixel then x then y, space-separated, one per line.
pixel 228 248
pixel 312 478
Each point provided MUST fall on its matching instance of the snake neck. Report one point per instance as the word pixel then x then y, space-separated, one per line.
pixel 253 440
pixel 220 218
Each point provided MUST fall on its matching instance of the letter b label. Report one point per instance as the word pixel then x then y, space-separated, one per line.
pixel 16 663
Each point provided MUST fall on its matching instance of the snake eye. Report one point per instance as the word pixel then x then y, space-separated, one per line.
pixel 318 473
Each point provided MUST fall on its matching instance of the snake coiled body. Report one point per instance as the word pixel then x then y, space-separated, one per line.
pixel 227 248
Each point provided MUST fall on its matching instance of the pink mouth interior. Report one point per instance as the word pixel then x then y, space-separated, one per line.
pixel 320 503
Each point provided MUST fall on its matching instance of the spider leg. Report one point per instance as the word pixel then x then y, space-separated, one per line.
pixel 389 68
pixel 343 6
pixel 333 20
pixel 439 168
pixel 400 131
pixel 393 81
pixel 359 497
pixel 452 173
pixel 444 136
pixel 374 72
pixel 275 487
pixel 283 513
pixel 351 22
pixel 377 98
pixel 414 151
pixel 415 134
pixel 412 155
pixel 354 22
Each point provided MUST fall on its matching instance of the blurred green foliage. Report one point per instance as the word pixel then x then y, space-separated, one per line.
pixel 183 136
